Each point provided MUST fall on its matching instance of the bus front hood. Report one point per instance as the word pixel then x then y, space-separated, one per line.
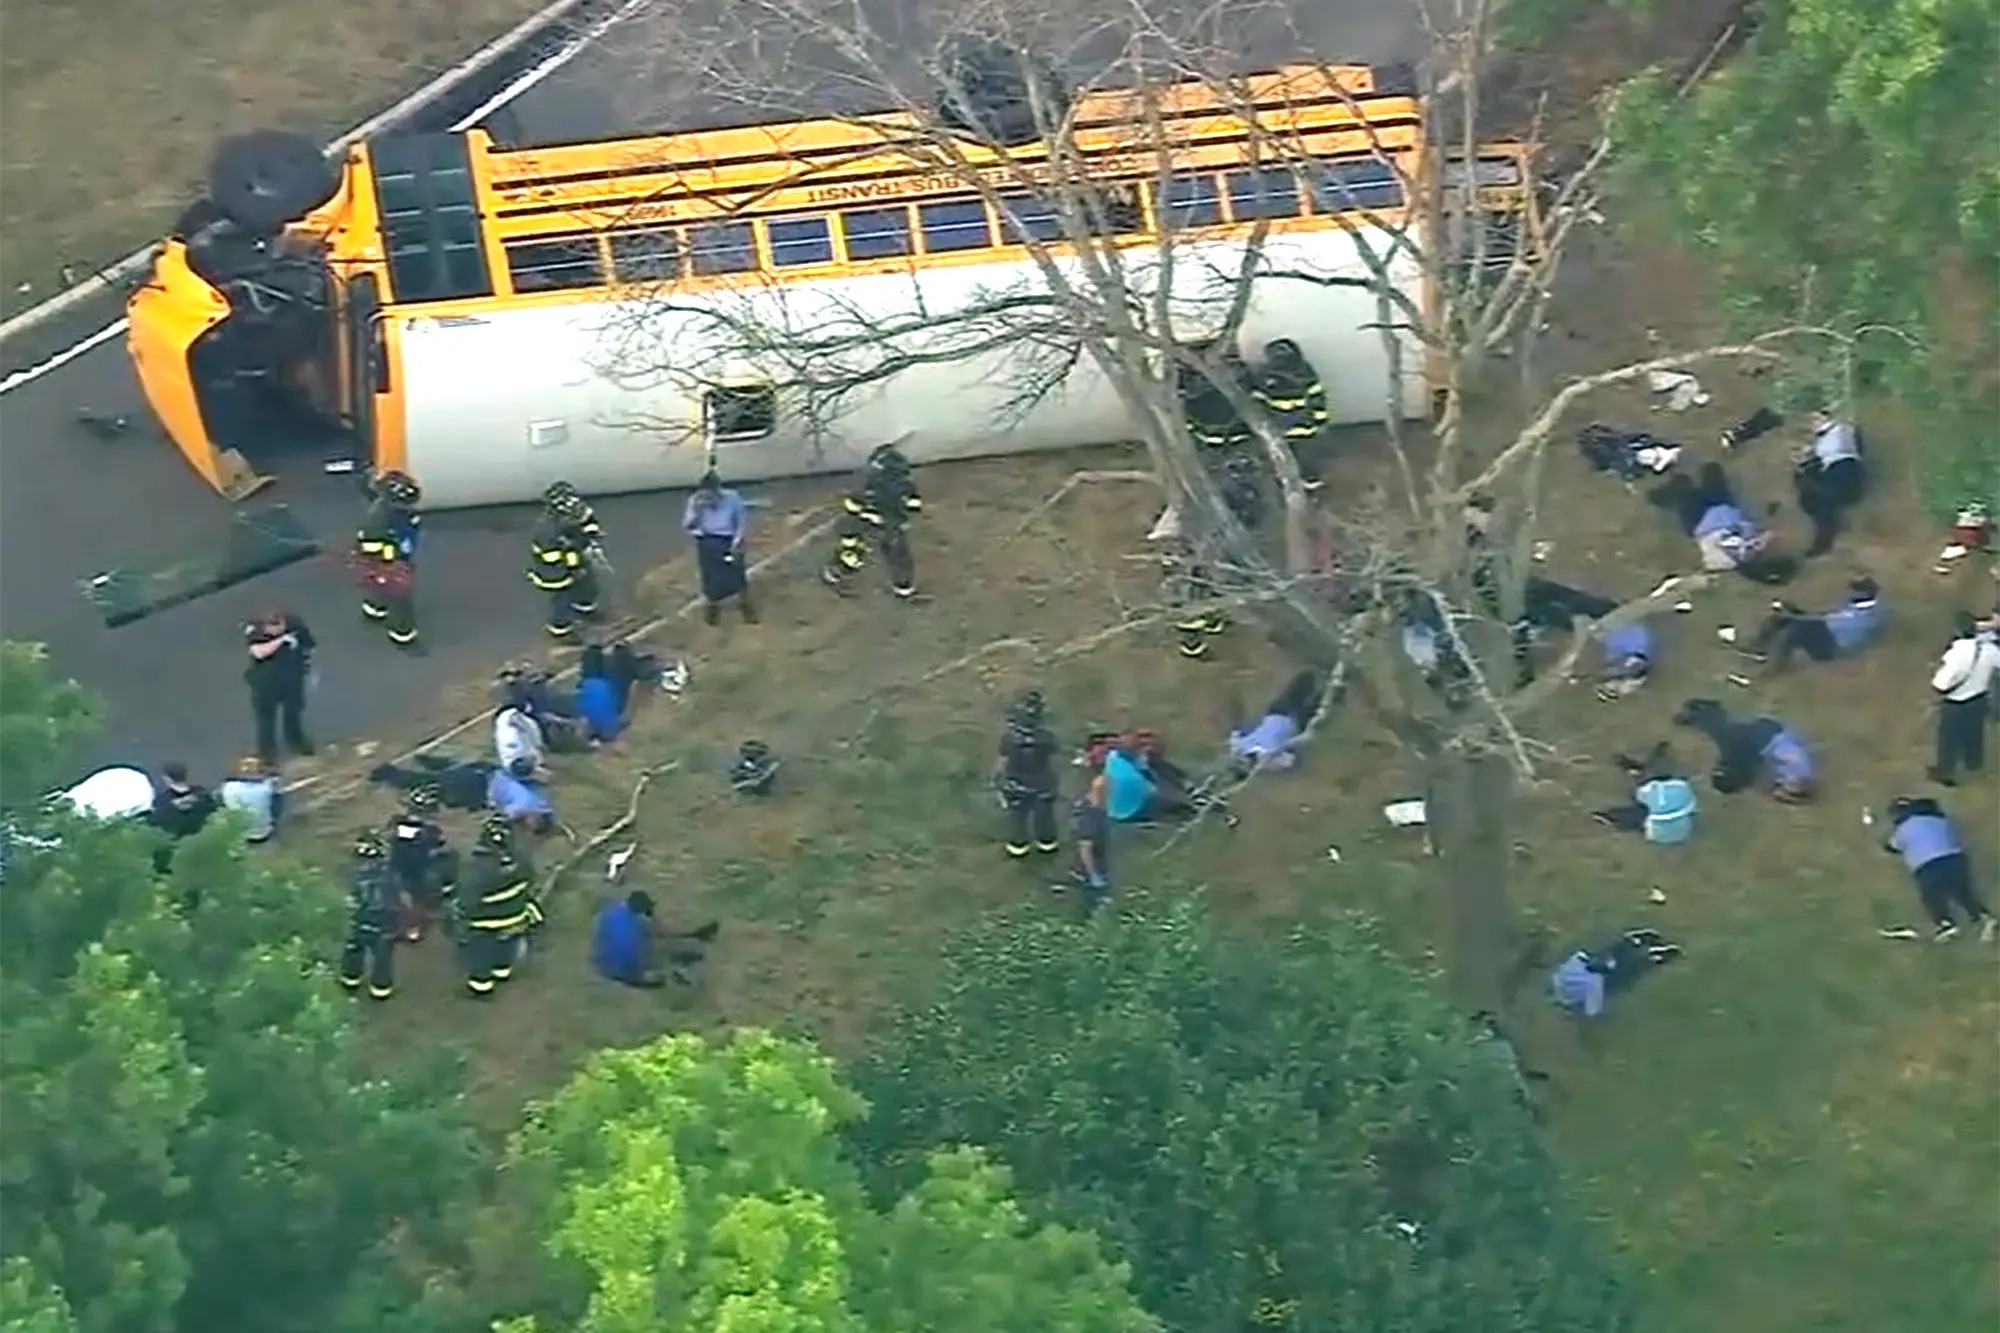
pixel 167 320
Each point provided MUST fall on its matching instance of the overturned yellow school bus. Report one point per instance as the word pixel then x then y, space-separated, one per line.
pixel 617 314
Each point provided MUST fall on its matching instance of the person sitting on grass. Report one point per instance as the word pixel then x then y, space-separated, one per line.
pixel 1663 803
pixel 516 793
pixel 1931 846
pixel 1583 982
pixel 625 944
pixel 1759 751
pixel 598 704
pixel 1140 786
pixel 1842 632
pixel 517 735
pixel 252 793
pixel 1708 511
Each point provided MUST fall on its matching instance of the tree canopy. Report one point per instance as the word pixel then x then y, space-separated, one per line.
pixel 702 1187
pixel 189 1140
pixel 1844 168
pixel 1291 1134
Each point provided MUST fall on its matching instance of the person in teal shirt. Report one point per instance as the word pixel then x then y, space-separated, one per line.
pixel 1129 792
pixel 1663 802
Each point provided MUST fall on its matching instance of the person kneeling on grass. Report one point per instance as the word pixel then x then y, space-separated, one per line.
pixel 515 793
pixel 1761 750
pixel 1930 845
pixel 1585 980
pixel 1140 785
pixel 598 704
pixel 1663 803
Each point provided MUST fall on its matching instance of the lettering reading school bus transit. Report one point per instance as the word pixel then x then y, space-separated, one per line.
pixel 489 320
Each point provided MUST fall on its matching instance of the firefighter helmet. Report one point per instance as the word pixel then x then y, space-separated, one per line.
pixel 424 798
pixel 368 845
pixel 888 458
pixel 1283 352
pixel 571 508
pixel 1027 711
pixel 398 488
pixel 559 494
pixel 496 830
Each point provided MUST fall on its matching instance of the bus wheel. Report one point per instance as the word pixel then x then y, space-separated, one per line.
pixel 267 178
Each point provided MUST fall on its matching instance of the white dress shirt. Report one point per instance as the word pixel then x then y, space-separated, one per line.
pixel 1967 669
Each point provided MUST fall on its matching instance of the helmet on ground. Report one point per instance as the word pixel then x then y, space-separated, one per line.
pixel 398 488
pixel 424 798
pixel 368 845
pixel 496 830
pixel 753 752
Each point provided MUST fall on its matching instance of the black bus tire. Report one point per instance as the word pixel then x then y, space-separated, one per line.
pixel 266 179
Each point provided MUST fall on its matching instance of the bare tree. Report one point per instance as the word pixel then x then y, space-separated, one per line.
pixel 1124 295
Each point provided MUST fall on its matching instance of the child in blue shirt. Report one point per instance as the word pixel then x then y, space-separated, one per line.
pixel 1930 845
pixel 1842 632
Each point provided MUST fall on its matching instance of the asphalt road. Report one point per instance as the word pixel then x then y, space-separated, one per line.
pixel 72 506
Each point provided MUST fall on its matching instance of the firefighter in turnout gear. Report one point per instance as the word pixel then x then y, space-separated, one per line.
pixel 1026 777
pixel 877 512
pixel 496 906
pixel 1289 389
pixel 384 564
pixel 394 500
pixel 559 565
pixel 1189 582
pixel 580 521
pixel 1212 420
pixel 425 866
pixel 370 953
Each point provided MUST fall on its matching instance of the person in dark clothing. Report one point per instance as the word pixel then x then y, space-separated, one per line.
pixel 1842 632
pixel 1753 427
pixel 1829 478
pixel 1930 845
pixel 556 712
pixel 1548 607
pixel 1025 773
pixel 755 771
pixel 181 808
pixel 1708 511
pixel 557 567
pixel 626 668
pixel 387 573
pixel 1749 752
pixel 461 783
pixel 497 908
pixel 1627 455
pixel 1212 420
pixel 370 951
pixel 421 861
pixel 718 519
pixel 1189 583
pixel 1288 388
pixel 1584 981
pixel 877 513
pixel 1090 826
pixel 280 649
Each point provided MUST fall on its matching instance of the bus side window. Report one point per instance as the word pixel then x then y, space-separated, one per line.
pixel 1025 217
pixel 733 413
pixel 955 224
pixel 1187 201
pixel 1356 184
pixel 722 247
pixel 800 240
pixel 647 256
pixel 1271 192
pixel 553 266
pixel 875 233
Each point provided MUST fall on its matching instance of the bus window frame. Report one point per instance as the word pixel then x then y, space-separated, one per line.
pixel 749 248
pixel 908 232
pixel 987 233
pixel 1281 175
pixel 580 247
pixel 676 251
pixel 827 249
pixel 1165 207
pixel 765 399
pixel 1316 171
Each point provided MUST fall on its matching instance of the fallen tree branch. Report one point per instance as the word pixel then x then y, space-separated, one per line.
pixel 1076 479
pixel 604 835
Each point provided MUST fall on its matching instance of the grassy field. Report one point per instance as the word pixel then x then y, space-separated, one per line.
pixel 111 107
pixel 1790 1131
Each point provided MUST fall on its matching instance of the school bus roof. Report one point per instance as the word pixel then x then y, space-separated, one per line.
pixel 615 175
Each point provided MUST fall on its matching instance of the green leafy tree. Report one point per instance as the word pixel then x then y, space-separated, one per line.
pixel 702 1188
pixel 1844 167
pixel 187 1140
pixel 1293 1135
pixel 46 724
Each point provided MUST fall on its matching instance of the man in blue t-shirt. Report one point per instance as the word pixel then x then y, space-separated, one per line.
pixel 1930 845
pixel 1842 632
pixel 621 945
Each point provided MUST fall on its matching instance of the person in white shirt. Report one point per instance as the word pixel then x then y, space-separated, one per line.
pixel 1830 478
pixel 517 736
pixel 251 793
pixel 1964 685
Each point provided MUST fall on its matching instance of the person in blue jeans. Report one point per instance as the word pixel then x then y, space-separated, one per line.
pixel 1842 632
pixel 1930 845
pixel 598 701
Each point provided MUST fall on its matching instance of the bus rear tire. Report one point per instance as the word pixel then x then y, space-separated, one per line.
pixel 266 179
